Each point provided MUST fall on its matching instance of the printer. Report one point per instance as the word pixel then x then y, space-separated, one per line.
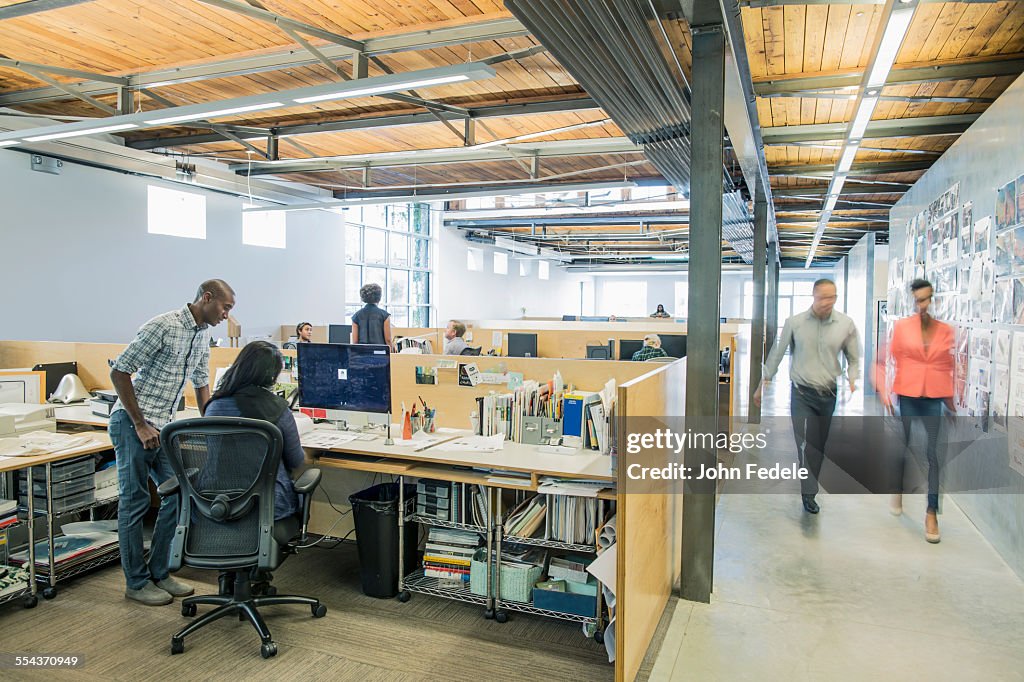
pixel 19 418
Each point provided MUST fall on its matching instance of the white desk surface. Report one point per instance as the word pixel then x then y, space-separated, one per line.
pixel 82 414
pixel 99 442
pixel 513 457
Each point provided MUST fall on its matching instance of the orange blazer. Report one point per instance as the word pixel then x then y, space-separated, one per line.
pixel 922 373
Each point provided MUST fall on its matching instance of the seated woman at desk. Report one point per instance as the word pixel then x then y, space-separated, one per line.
pixel 660 312
pixel 245 391
pixel 371 324
pixel 303 334
pixel 652 349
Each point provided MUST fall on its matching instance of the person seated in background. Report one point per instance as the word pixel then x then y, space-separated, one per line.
pixel 371 324
pixel 652 349
pixel 304 330
pixel 612 318
pixel 454 343
pixel 660 312
pixel 246 391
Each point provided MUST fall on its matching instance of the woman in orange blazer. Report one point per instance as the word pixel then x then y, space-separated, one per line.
pixel 922 351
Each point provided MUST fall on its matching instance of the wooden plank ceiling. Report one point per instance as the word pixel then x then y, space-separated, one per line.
pixel 786 45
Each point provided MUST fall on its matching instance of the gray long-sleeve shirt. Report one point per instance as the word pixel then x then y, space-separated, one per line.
pixel 815 345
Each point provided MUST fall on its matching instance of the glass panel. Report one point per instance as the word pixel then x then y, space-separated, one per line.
pixel 353 243
pixel 398 289
pixel 351 310
pixel 421 287
pixel 375 215
pixel 354 214
pixel 785 309
pixel 421 316
pixel 399 248
pixel 399 316
pixel 420 218
pixel 802 302
pixel 398 217
pixel 525 267
pixel 500 263
pixel 785 289
pixel 375 245
pixel 421 253
pixel 353 280
pixel 803 288
pixel 475 260
pixel 377 276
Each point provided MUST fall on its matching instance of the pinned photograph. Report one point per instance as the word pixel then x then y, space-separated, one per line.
pixel 1001 352
pixel 1017 263
pixel 1006 205
pixel 981 344
pixel 1004 254
pixel 1018 301
pixel 1002 304
pixel 982 235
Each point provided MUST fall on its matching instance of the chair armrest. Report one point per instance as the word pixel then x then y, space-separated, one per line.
pixel 171 487
pixel 309 480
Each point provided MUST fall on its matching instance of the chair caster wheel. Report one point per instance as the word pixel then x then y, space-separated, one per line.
pixel 268 649
pixel 599 636
pixel 501 616
pixel 319 611
pixel 30 601
pixel 404 596
pixel 489 614
pixel 49 592
pixel 188 610
pixel 177 646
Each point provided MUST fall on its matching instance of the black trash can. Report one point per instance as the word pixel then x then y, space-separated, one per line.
pixel 375 514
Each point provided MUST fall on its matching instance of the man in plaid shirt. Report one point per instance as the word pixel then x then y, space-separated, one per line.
pixel 166 352
pixel 652 349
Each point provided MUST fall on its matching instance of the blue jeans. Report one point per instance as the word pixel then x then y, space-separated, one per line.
pixel 929 412
pixel 135 465
pixel 811 410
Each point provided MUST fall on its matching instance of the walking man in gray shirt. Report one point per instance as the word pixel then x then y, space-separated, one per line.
pixel 815 338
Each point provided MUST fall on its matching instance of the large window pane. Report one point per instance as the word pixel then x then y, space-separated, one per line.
pixel 420 218
pixel 353 280
pixel 420 287
pixel 475 260
pixel 421 253
pixel 805 288
pixel 398 287
pixel 785 289
pixel 351 310
pixel 399 316
pixel 398 217
pixel 421 316
pixel 375 246
pixel 377 276
pixel 399 248
pixel 375 215
pixel 500 263
pixel 353 243
pixel 802 302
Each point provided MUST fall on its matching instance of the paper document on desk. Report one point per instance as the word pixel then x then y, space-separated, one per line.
pixel 421 441
pixel 577 488
pixel 477 443
pixel 41 443
pixel 327 440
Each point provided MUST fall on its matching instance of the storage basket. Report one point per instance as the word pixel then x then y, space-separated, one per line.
pixel 516 581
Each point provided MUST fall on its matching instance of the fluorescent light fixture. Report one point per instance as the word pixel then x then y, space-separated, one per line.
pixel 846 160
pixel 80 133
pixel 268 100
pixel 8 143
pixel 376 90
pixel 892 39
pixel 860 122
pixel 213 114
pixel 514 246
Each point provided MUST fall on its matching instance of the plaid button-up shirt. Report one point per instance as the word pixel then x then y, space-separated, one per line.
pixel 166 352
pixel 648 352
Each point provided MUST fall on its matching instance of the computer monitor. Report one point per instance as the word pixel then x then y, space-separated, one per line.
pixel 522 345
pixel 339 333
pixel 568 318
pixel 350 382
pixel 598 353
pixel 673 344
pixel 593 318
pixel 629 346
pixel 55 371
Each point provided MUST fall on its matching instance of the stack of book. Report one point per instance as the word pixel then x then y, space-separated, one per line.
pixel 572 519
pixel 8 513
pixel 448 553
pixel 527 518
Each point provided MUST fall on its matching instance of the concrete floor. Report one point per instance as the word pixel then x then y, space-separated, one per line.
pixel 850 594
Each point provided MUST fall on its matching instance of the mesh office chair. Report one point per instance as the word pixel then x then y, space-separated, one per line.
pixel 225 470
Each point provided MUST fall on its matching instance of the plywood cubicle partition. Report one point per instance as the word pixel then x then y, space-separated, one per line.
pixel 649 519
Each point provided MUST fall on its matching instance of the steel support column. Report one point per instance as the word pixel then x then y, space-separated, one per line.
pixel 771 330
pixel 757 324
pixel 705 274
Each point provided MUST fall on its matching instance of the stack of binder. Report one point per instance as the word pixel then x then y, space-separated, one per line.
pixel 572 519
pixel 452 501
pixel 448 553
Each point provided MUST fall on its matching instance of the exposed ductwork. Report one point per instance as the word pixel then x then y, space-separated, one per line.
pixel 618 50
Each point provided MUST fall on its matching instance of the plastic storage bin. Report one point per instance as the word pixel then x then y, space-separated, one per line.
pixel 375 511
pixel 72 486
pixel 62 471
pixel 60 504
pixel 516 581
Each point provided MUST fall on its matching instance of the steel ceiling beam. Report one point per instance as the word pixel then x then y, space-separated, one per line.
pixel 754 4
pixel 927 99
pixel 29 7
pixel 848 189
pixel 865 168
pixel 898 76
pixel 286 23
pixel 920 126
pixel 497 29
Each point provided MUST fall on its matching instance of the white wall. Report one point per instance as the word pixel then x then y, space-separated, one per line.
pixel 463 294
pixel 79 264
